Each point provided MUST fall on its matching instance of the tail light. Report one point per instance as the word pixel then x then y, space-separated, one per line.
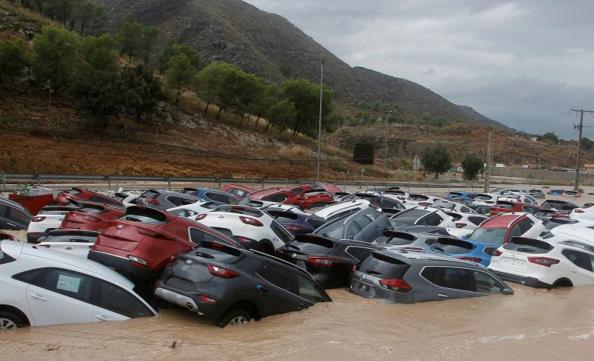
pixel 460 225
pixel 201 216
pixel 496 253
pixel 90 218
pixel 206 299
pixel 292 227
pixel 244 240
pixel 251 221
pixel 543 261
pixel 577 210
pixel 323 261
pixel 136 261
pixel 221 272
pixel 471 259
pixel 37 219
pixel 425 204
pixel 395 284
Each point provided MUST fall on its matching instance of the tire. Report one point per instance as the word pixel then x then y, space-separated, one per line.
pixel 11 321
pixel 235 317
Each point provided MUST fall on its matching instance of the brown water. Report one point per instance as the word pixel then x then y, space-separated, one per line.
pixel 530 325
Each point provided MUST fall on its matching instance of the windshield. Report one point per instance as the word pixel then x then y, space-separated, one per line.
pixel 488 235
pixel 408 218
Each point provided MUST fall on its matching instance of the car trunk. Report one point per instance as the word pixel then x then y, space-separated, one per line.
pixel 518 250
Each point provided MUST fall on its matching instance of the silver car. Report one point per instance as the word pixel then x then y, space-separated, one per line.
pixel 409 277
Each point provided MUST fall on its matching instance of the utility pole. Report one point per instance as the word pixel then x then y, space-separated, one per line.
pixel 489 161
pixel 580 129
pixel 320 120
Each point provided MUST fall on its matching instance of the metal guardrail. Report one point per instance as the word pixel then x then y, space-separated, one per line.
pixel 40 179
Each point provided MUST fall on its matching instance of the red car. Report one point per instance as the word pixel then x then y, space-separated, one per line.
pixel 80 195
pixel 237 190
pixel 91 217
pixel 304 196
pixel 144 240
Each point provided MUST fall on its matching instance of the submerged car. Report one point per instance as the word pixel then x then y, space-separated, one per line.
pixel 48 219
pixel 409 277
pixel 76 195
pixel 74 242
pixel 163 199
pixel 90 217
pixel 212 195
pixel 365 225
pixel 144 240
pixel 422 216
pixel 554 262
pixel 230 286
pixel 328 260
pixel 40 287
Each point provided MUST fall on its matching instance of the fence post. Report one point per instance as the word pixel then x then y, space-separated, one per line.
pixel 169 183
pixel 108 179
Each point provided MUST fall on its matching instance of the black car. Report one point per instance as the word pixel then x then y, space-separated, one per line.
pixel 364 225
pixel 330 261
pixel 13 216
pixel 227 285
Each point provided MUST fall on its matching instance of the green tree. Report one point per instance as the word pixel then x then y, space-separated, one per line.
pixel 264 100
pixel 172 49
pixel 60 10
pixel 436 159
pixel 97 74
pixel 55 56
pixel 306 97
pixel 180 73
pixel 550 136
pixel 246 88
pixel 147 44
pixel 282 115
pixel 215 85
pixel 14 61
pixel 138 92
pixel 130 37
pixel 472 166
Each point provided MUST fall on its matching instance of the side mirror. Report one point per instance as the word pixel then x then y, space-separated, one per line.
pixel 507 291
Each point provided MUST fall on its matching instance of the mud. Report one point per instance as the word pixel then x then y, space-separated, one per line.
pixel 530 325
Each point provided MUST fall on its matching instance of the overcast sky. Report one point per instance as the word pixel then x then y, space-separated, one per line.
pixel 524 63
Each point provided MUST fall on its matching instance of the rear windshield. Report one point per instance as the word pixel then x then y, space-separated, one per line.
pixel 489 235
pixel 150 194
pixel 505 205
pixel 418 197
pixel 312 245
pixel 452 246
pixel 382 266
pixel 92 210
pixel 281 232
pixel 333 229
pixel 144 215
pixel 396 239
pixel 240 210
pixel 409 217
pixel 525 245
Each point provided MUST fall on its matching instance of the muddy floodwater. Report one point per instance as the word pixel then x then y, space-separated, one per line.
pixel 530 325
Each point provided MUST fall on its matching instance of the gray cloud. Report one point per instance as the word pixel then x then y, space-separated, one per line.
pixel 524 63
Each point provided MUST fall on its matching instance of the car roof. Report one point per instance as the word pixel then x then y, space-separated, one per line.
pixel 338 207
pixel 423 257
pixel 267 191
pixel 502 221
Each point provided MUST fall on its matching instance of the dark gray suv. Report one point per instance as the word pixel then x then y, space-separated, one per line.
pixel 13 216
pixel 408 277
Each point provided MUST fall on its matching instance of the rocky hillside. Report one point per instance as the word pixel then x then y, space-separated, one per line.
pixel 272 47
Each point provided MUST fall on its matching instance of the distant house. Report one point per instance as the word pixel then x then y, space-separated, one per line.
pixel 499 165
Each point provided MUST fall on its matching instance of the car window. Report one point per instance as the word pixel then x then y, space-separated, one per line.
pixel 383 266
pixel 281 232
pixel 183 212
pixel 488 235
pixel 333 229
pixel 486 283
pixel 197 236
pixel 450 277
pixel 68 283
pixel 390 204
pixel 308 289
pixel 516 231
pixel 525 225
pixel 118 300
pixel 278 198
pixel 476 220
pixel 17 215
pixel 408 218
pixel 464 209
pixel 298 190
pixel 280 277
pixel 178 201
pixel 432 219
pixel 358 224
pixel 580 259
pixel 217 197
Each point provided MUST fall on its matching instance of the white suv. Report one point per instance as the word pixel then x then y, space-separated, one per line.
pixel 41 287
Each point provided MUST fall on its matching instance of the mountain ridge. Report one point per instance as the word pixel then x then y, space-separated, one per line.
pixel 272 47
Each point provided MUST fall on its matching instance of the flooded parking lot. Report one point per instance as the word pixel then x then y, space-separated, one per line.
pixel 530 325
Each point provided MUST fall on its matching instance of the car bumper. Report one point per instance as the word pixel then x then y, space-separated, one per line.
pixel 523 280
pixel 209 311
pixel 370 291
pixel 136 273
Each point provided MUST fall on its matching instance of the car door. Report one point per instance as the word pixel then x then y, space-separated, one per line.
pixel 278 286
pixel 450 282
pixel 58 296
pixel 113 303
pixel 581 267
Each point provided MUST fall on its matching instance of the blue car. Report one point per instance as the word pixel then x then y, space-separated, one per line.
pixel 211 195
pixel 461 197
pixel 467 249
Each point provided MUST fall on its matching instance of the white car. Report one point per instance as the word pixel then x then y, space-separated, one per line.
pixel 40 287
pixel 48 219
pixel 194 209
pixel 414 200
pixel 582 214
pixel 464 223
pixel 554 262
pixel 250 226
pixel 71 241
pixel 339 210
pixel 453 206
pixel 577 231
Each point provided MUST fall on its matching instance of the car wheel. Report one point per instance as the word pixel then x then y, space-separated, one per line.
pixel 10 321
pixel 236 316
